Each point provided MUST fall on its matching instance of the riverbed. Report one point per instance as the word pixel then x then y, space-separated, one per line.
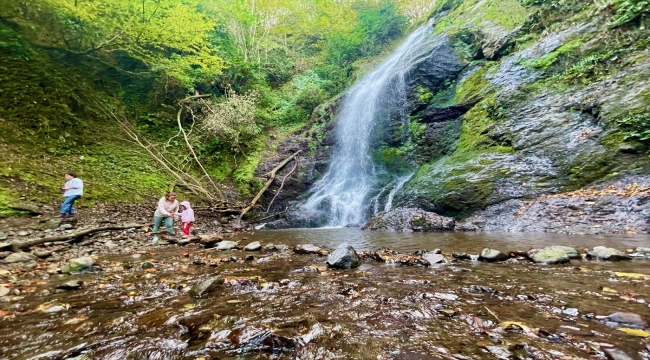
pixel 283 305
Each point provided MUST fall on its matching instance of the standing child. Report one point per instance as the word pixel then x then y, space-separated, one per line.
pixel 72 190
pixel 187 218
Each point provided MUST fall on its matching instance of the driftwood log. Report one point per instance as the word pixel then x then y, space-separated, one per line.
pixel 268 183
pixel 19 245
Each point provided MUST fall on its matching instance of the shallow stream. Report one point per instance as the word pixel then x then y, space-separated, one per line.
pixel 280 306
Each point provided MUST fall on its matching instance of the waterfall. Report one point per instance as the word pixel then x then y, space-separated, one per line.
pixel 343 195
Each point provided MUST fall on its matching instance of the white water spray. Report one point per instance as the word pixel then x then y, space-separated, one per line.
pixel 341 197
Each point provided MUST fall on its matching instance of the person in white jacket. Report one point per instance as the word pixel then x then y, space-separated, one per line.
pixel 166 211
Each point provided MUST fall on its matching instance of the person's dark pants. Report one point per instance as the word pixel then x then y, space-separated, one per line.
pixel 67 208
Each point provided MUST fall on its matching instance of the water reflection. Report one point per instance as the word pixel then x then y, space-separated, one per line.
pixel 447 241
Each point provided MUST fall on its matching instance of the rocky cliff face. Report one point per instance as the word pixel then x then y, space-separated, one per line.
pixel 513 101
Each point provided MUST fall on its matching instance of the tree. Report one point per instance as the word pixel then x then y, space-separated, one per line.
pixel 165 35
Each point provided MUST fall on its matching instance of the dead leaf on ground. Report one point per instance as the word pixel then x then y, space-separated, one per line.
pixel 634 332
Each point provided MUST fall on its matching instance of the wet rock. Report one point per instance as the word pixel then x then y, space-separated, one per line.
pixel 49 308
pixel 184 242
pixel 640 250
pixel 491 255
pixel 206 287
pixel 227 245
pixel 494 39
pixel 71 285
pixel 608 254
pixel 209 240
pixel 78 264
pixel 409 220
pixel 269 248
pixel 147 265
pixel 433 258
pixel 307 249
pixel 630 320
pixel 616 354
pixel 461 256
pixel 19 257
pixel 283 248
pixel 254 246
pixel 553 255
pixel 344 257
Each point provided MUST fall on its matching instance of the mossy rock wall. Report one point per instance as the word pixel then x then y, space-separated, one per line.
pixel 555 108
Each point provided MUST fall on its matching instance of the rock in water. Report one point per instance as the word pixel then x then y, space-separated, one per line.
pixel 226 245
pixel 210 240
pixel 434 258
pixel 269 248
pixel 205 287
pixel 71 285
pixel 491 255
pixel 605 253
pixel 78 264
pixel 344 257
pixel 307 249
pixel 630 320
pixel 552 255
pixel 19 257
pixel 254 246
pixel 409 220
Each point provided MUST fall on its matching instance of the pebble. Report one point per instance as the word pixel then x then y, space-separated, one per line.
pixel 23 233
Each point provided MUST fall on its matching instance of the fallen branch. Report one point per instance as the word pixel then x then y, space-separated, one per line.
pixel 17 246
pixel 295 165
pixel 257 221
pixel 268 183
pixel 187 141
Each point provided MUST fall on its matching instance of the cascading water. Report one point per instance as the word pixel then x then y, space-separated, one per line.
pixel 343 195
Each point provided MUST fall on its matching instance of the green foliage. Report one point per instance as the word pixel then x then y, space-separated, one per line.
pixel 636 126
pixel 629 10
pixel 165 35
pixel 474 86
pixel 424 95
pixel 551 58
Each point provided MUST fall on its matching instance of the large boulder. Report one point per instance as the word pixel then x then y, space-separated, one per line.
pixel 608 254
pixel 409 220
pixel 555 255
pixel 20 257
pixel 78 264
pixel 344 257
